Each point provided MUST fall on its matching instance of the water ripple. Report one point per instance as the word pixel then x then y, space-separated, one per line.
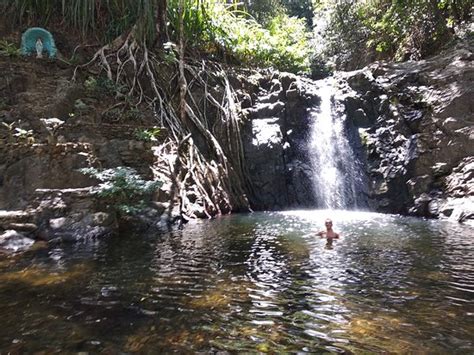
pixel 251 283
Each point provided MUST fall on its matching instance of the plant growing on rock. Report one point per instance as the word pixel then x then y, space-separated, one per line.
pixel 102 86
pixel 122 188
pixel 18 135
pixel 24 136
pixel 10 128
pixel 148 135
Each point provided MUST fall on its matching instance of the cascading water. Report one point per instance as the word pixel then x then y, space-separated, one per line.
pixel 337 176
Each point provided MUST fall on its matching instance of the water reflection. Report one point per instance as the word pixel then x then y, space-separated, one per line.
pixel 262 282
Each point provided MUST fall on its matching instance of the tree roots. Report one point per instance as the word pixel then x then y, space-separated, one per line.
pixel 203 156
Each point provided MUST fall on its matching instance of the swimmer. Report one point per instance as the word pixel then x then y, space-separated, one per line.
pixel 329 234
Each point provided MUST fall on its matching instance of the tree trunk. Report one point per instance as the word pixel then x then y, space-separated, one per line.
pixel 161 30
pixel 182 77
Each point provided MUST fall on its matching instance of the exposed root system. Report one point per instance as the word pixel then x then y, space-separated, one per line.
pixel 193 100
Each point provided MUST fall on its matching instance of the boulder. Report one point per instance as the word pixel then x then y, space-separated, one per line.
pixel 76 227
pixel 14 241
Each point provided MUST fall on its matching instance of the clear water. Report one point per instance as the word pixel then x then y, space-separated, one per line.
pixel 337 173
pixel 249 283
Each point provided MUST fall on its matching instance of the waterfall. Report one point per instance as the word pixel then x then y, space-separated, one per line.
pixel 337 175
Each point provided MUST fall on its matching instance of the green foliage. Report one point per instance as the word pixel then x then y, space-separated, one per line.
pixel 17 134
pixel 403 28
pixel 364 137
pixel 355 32
pixel 290 48
pixel 10 129
pixel 340 35
pixel 265 10
pixel 300 8
pixel 80 107
pixel 9 49
pixel 88 16
pixel 122 188
pixel 102 86
pixel 216 27
pixel 133 114
pixel 148 135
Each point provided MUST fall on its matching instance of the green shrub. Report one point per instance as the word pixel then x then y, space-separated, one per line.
pixel 9 49
pixel 148 135
pixel 216 27
pixel 122 188
pixel 102 86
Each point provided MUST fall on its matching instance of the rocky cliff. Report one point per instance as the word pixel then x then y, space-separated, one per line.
pixel 275 139
pixel 416 120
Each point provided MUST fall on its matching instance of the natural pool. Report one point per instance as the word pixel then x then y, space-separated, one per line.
pixel 248 283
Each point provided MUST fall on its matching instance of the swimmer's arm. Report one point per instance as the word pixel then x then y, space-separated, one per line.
pixel 321 234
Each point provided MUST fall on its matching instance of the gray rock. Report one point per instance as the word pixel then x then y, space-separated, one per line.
pixel 276 86
pixel 361 80
pixel 292 95
pixel 419 184
pixel 421 206
pixel 440 169
pixel 76 227
pixel 246 101
pixel 359 118
pixel 287 79
pixel 458 209
pixel 268 110
pixel 22 227
pixel 14 241
pixel 452 124
pixel 270 98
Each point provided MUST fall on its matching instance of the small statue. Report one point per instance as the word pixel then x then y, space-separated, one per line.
pixel 39 48
pixel 39 42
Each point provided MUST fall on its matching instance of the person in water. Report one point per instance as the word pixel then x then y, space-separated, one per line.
pixel 329 234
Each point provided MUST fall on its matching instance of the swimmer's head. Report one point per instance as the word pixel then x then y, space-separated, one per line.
pixel 328 223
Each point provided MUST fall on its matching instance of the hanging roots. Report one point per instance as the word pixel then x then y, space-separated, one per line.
pixel 208 178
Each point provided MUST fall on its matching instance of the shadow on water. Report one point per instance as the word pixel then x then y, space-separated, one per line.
pixel 246 283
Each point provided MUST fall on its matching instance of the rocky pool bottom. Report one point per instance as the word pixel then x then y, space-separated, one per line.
pixel 256 282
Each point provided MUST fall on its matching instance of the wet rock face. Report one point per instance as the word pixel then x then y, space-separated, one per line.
pixel 274 136
pixel 417 122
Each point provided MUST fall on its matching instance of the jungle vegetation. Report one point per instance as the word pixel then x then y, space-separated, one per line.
pixel 284 34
